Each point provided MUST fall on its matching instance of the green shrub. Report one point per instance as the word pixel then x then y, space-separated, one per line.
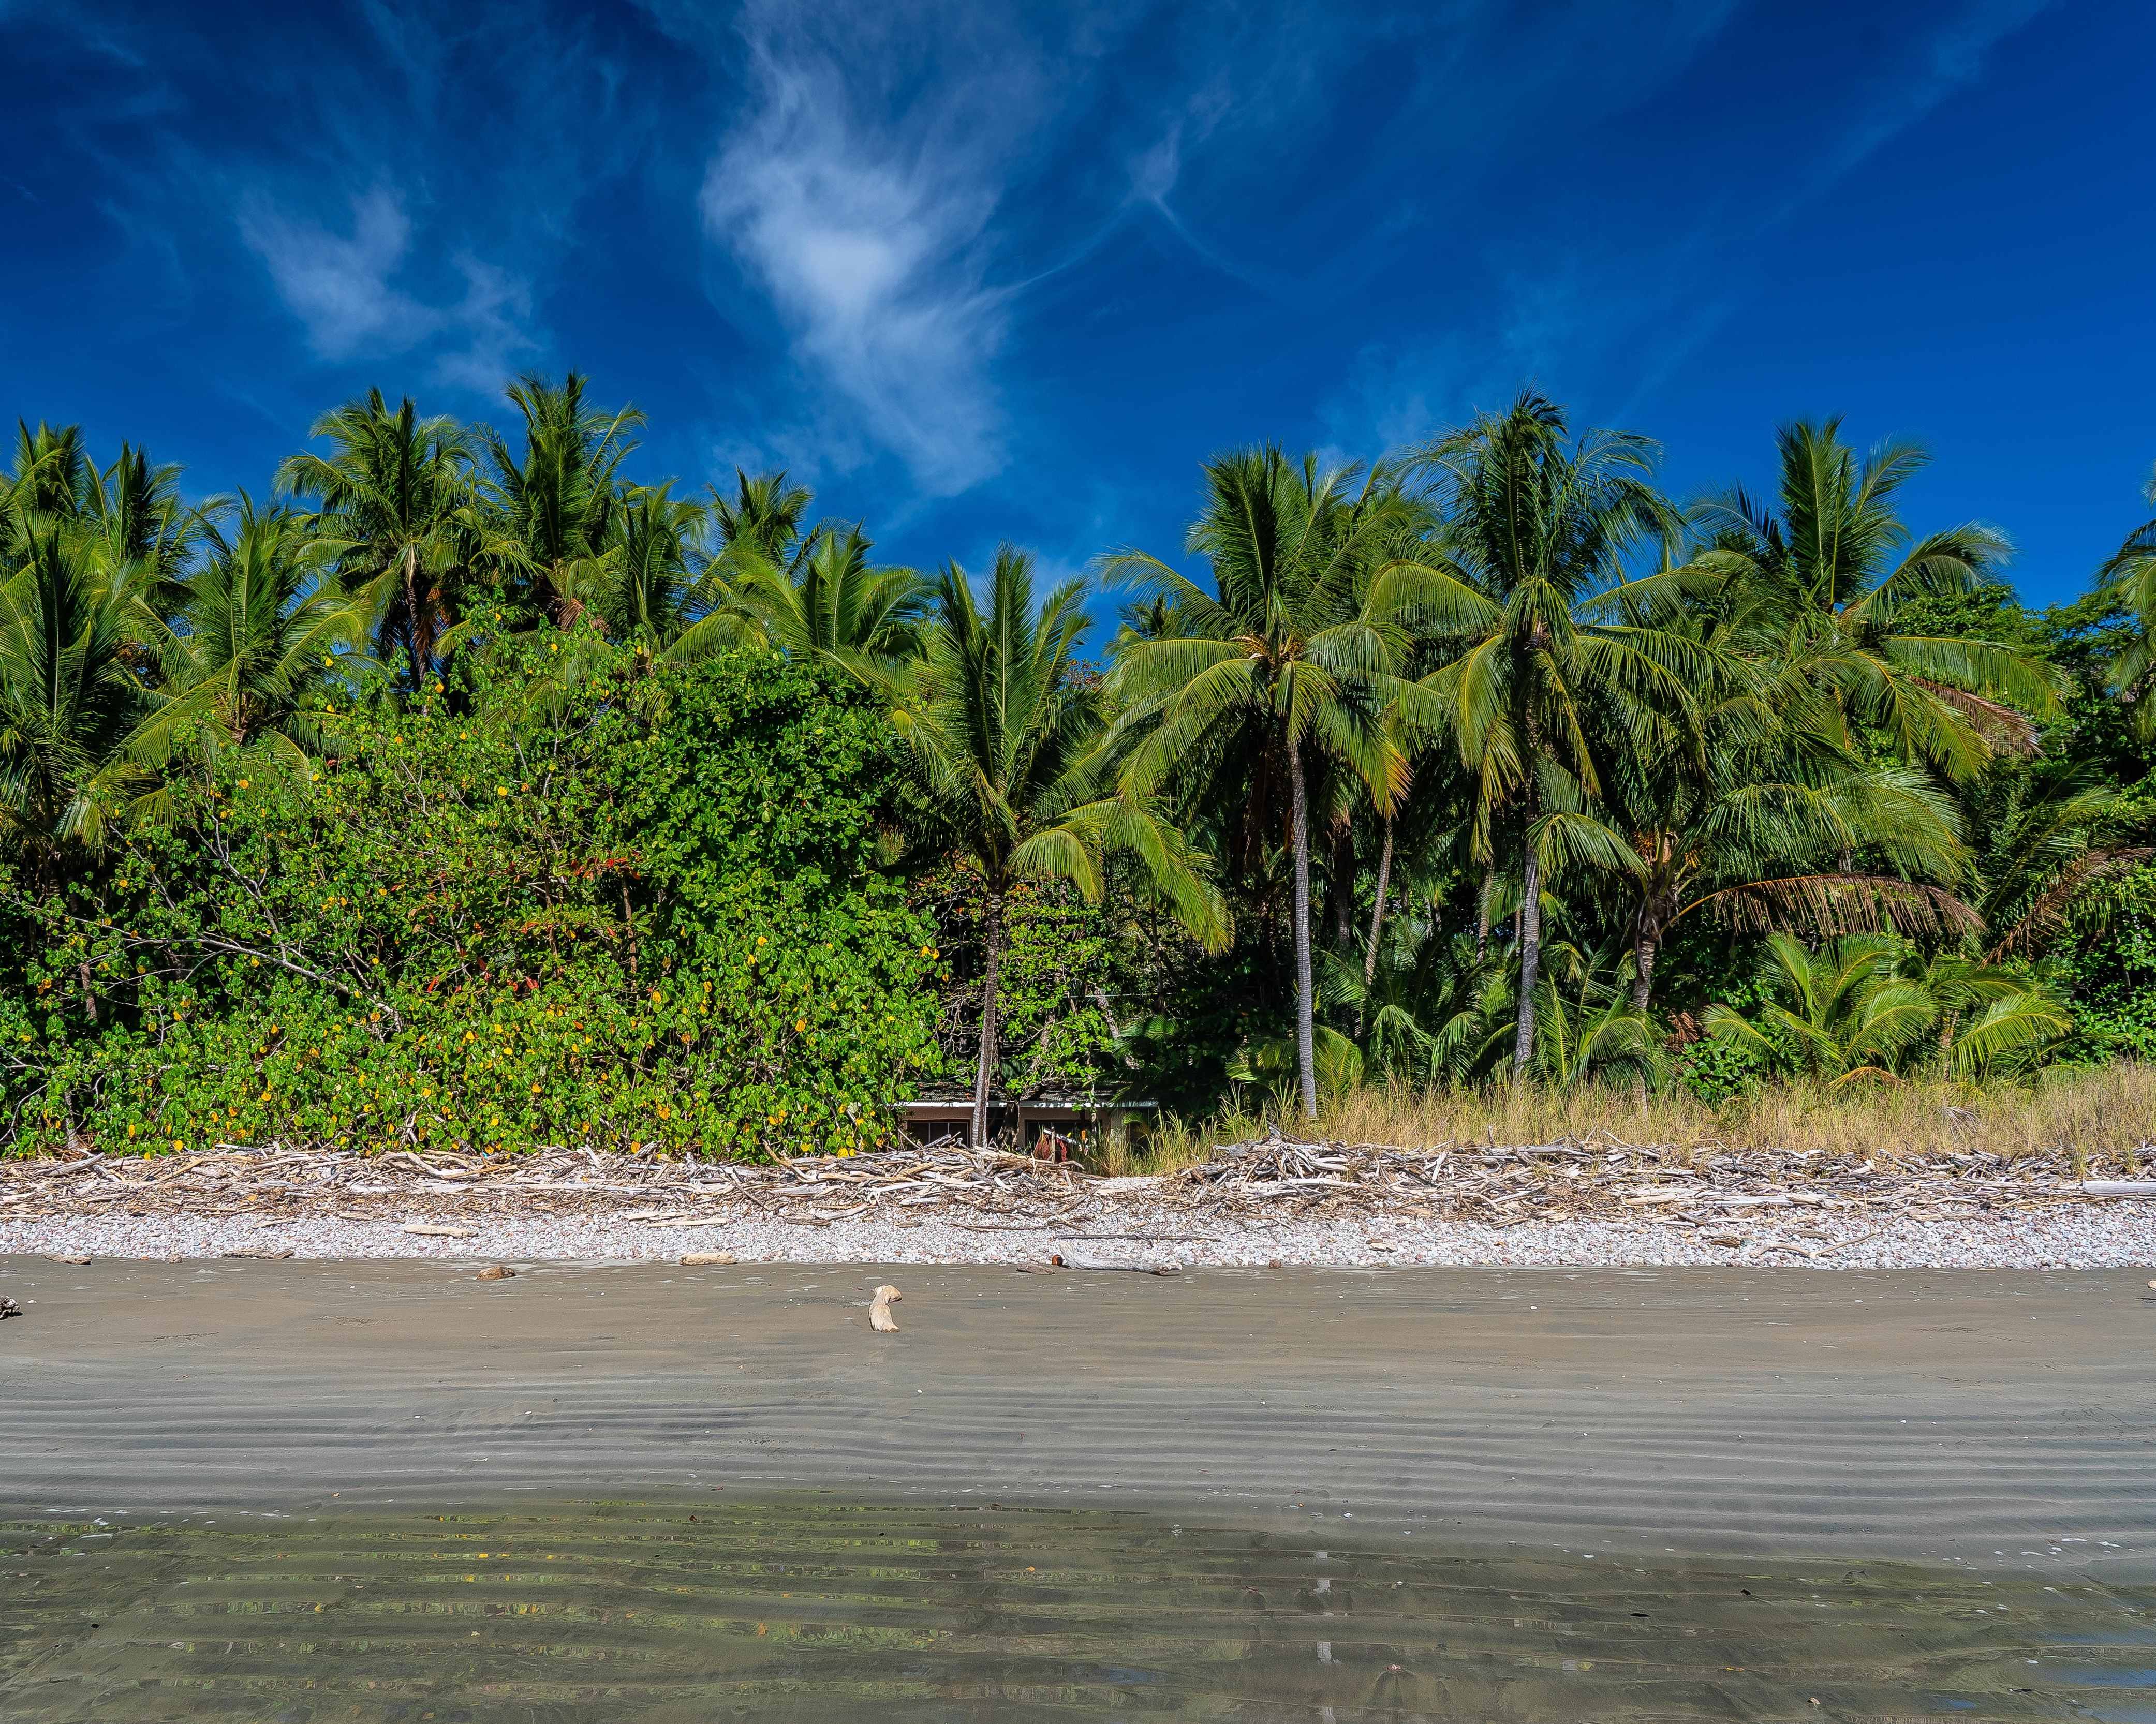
pixel 654 921
pixel 2107 964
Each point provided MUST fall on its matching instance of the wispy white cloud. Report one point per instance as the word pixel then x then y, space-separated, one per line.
pixel 339 286
pixel 343 287
pixel 868 229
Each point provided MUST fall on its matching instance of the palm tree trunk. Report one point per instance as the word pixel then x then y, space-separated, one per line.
pixel 411 617
pixel 1645 942
pixel 993 933
pixel 1531 953
pixel 1376 926
pixel 1340 887
pixel 1483 914
pixel 1378 910
pixel 1305 1048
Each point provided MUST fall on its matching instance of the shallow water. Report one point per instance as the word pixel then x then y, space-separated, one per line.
pixel 814 1608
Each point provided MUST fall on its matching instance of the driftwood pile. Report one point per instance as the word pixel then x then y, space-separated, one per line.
pixel 991 1192
pixel 1606 1180
pixel 278 1184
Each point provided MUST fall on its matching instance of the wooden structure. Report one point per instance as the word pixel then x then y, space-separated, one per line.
pixel 1057 1126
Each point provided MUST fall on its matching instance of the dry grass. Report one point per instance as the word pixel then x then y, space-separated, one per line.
pixel 2096 1116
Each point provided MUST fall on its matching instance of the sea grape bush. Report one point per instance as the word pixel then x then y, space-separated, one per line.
pixel 652 919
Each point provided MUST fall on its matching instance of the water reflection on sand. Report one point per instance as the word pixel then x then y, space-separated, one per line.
pixel 817 1608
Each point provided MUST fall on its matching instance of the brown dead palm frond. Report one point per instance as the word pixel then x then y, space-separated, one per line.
pixel 2042 918
pixel 1833 904
pixel 2000 725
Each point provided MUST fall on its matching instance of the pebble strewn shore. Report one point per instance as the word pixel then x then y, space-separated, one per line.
pixel 1129 1230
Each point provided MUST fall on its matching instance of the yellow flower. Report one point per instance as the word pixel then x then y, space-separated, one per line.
pixel 800 1025
pixel 243 784
pixel 502 790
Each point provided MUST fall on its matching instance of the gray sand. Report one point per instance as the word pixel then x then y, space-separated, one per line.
pixel 1998 1419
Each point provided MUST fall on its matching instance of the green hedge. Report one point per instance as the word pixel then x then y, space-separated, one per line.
pixel 654 919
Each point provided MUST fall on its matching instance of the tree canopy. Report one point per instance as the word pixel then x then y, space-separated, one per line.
pixel 473 785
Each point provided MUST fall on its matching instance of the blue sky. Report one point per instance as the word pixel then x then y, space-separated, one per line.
pixel 986 271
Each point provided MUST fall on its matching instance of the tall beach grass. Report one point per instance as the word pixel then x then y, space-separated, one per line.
pixel 2097 1118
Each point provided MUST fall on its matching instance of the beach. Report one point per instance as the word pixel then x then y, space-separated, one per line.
pixel 1992 1419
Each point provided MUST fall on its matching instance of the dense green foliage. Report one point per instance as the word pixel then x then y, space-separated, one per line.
pixel 470 793
pixel 656 921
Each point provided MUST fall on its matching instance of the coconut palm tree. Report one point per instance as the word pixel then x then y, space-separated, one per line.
pixel 830 602
pixel 2045 832
pixel 393 492
pixel 1733 817
pixel 52 476
pixel 263 618
pixel 1004 736
pixel 1539 682
pixel 2127 580
pixel 549 509
pixel 1814 588
pixel 661 589
pixel 1289 658
pixel 79 740
pixel 1586 1030
pixel 764 515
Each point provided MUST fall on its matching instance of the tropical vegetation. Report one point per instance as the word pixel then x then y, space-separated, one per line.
pixel 467 786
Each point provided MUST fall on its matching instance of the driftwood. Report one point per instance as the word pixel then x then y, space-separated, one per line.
pixel 880 1317
pixel 1595 1178
pixel 1141 1269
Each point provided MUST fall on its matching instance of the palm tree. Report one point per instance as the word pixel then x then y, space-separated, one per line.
pixel 142 533
pixel 393 492
pixel 2128 579
pixel 1586 1030
pixel 1431 1004
pixel 764 515
pixel 2046 832
pixel 551 509
pixel 1864 1005
pixel 1839 1013
pixel 53 475
pixel 77 739
pixel 658 597
pixel 1734 816
pixel 1536 528
pixel 1004 736
pixel 1291 657
pixel 1815 591
pixel 830 602
pixel 261 621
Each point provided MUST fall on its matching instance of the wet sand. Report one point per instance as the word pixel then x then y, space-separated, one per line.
pixel 1998 1419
